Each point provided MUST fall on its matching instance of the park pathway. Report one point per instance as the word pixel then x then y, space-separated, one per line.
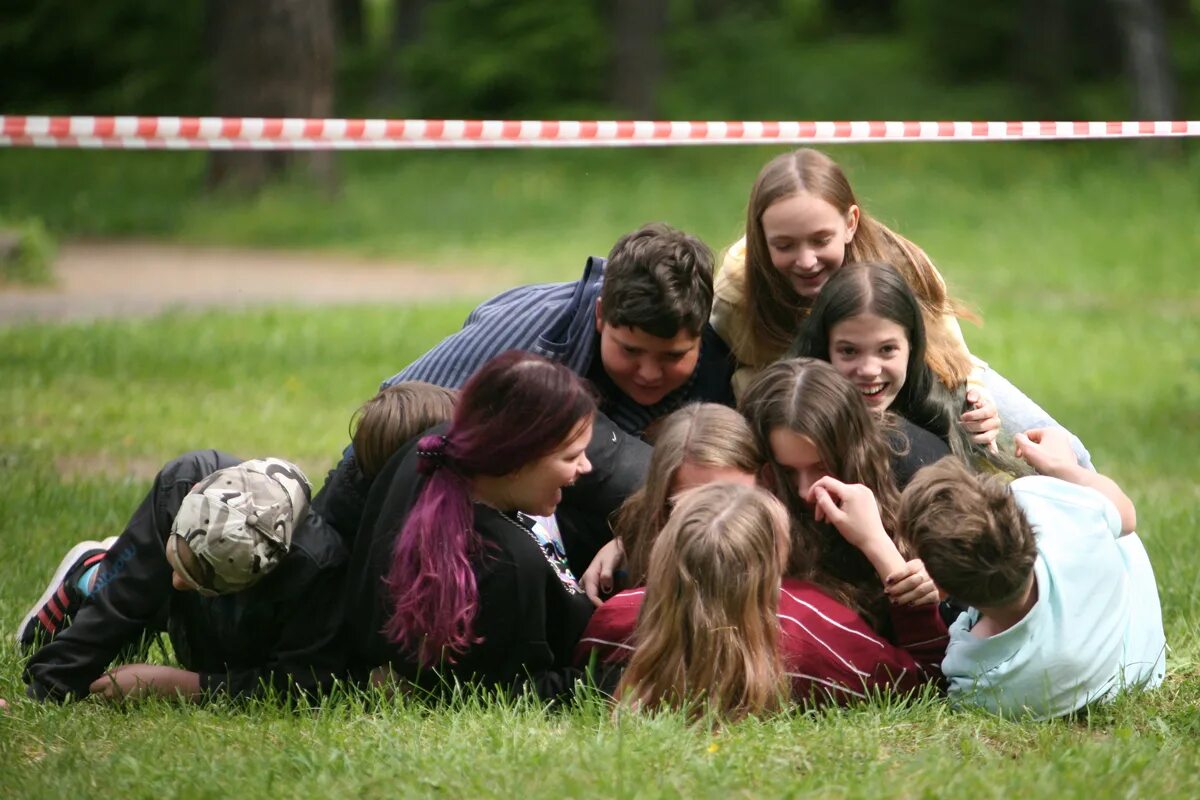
pixel 104 279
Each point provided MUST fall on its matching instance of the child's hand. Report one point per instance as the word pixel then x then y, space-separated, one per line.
pixel 982 421
pixel 1048 450
pixel 851 508
pixel 126 681
pixel 3 706
pixel 598 579
pixel 132 681
pixel 911 586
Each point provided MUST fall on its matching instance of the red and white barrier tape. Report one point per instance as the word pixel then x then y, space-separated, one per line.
pixel 248 133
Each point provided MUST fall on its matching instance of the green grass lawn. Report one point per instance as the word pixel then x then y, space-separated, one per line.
pixel 1080 258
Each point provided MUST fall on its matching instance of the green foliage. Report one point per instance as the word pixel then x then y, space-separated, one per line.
pixel 113 57
pixel 965 41
pixel 26 252
pixel 502 58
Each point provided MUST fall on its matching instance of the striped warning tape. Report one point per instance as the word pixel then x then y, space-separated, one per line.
pixel 249 133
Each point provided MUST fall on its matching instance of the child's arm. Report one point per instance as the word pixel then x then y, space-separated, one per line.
pixel 133 588
pixel 852 509
pixel 1048 450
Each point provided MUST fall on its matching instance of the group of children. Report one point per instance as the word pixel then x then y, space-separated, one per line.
pixel 794 484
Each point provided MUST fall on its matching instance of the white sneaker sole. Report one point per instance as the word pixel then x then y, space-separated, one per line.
pixel 64 567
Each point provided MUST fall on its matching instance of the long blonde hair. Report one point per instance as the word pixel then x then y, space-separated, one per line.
pixel 774 303
pixel 707 634
pixel 704 434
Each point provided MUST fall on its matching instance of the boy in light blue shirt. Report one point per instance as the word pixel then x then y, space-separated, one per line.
pixel 1064 610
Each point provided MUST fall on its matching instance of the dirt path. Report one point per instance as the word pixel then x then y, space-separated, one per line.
pixel 101 279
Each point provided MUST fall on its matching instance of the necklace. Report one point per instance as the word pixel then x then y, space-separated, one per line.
pixel 556 560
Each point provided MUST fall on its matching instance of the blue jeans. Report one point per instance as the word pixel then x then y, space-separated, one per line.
pixel 1018 413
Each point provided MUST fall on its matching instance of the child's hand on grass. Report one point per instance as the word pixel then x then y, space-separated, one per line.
pixel 911 586
pixel 134 681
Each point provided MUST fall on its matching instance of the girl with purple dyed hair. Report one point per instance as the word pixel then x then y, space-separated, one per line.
pixel 451 579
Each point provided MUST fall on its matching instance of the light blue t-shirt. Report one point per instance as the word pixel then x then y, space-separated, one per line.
pixel 1096 626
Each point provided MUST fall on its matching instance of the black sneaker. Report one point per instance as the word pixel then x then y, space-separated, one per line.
pixel 52 613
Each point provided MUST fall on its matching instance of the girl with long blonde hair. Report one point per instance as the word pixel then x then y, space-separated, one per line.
pixel 719 628
pixel 708 634
pixel 698 444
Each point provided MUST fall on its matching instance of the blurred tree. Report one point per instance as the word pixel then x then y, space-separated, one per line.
pixel 392 87
pixel 271 58
pixel 488 58
pixel 963 41
pixel 863 16
pixel 114 57
pixel 637 55
pixel 351 26
pixel 1148 58
pixel 407 21
pixel 1044 50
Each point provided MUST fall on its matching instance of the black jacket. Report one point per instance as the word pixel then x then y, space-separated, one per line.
pixel 343 497
pixel 280 633
pixel 913 447
pixel 527 619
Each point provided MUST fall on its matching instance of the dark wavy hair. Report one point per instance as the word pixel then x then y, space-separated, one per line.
pixel 515 409
pixel 811 398
pixel 879 288
pixel 658 279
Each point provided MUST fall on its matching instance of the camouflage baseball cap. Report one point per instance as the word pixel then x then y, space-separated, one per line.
pixel 236 525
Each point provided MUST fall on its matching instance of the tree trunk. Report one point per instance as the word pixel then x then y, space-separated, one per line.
pixel 638 27
pixel 1147 58
pixel 272 58
pixel 1044 49
pixel 351 28
pixel 408 16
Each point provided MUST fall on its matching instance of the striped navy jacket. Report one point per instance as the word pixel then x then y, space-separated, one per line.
pixel 557 320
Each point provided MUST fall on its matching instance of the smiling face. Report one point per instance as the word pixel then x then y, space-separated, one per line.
pixel 807 238
pixel 873 353
pixel 799 460
pixel 644 367
pixel 537 487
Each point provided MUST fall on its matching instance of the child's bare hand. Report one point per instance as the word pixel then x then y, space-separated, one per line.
pixel 1048 450
pixel 982 421
pixel 130 681
pixel 597 580
pixel 849 507
pixel 127 680
pixel 911 586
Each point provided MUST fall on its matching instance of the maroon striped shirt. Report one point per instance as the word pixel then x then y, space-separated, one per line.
pixel 829 651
